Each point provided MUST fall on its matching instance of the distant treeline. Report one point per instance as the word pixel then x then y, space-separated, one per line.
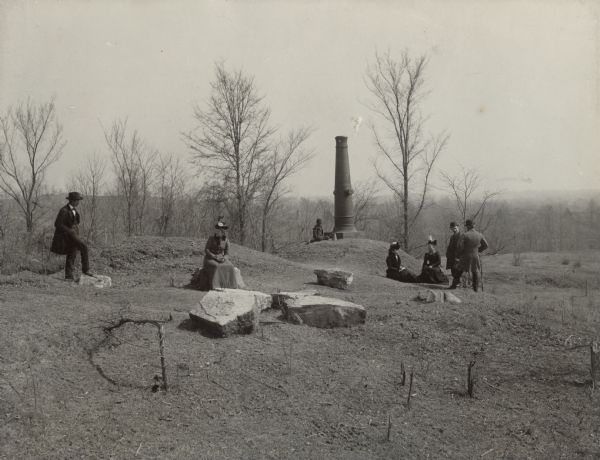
pixel 509 225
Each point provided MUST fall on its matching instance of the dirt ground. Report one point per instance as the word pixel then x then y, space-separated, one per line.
pixel 68 389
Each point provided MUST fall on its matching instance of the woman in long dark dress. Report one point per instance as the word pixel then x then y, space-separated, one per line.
pixel 431 271
pixel 395 270
pixel 220 272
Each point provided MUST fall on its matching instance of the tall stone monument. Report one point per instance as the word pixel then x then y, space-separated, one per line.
pixel 343 204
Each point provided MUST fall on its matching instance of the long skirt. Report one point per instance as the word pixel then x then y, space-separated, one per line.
pixel 222 275
pixel 433 275
pixel 404 276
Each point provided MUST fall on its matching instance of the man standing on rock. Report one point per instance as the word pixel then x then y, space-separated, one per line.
pixel 469 246
pixel 452 250
pixel 66 239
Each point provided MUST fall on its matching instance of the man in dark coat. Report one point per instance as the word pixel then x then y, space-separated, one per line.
pixel 66 239
pixel 469 246
pixel 452 250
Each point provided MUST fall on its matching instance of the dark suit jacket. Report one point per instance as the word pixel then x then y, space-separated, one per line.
pixel 470 245
pixel 452 253
pixel 66 230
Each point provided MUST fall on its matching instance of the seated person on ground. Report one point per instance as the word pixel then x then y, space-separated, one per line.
pixel 431 271
pixel 318 233
pixel 395 270
pixel 219 271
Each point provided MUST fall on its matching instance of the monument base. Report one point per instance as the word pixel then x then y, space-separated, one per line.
pixel 348 235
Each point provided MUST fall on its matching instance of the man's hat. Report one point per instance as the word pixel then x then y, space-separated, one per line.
pixel 74 196
pixel 469 223
pixel 453 224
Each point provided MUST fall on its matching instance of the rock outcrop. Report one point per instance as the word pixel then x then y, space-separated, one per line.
pixel 334 278
pixel 230 311
pixel 323 312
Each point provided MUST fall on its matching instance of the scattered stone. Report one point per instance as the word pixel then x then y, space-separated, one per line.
pixel 230 311
pixel 280 297
pixel 99 281
pixel 451 298
pixel 323 312
pixel 432 295
pixel 334 278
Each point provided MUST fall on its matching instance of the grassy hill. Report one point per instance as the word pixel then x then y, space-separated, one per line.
pixel 69 389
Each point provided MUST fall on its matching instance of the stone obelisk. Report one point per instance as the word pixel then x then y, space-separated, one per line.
pixel 343 203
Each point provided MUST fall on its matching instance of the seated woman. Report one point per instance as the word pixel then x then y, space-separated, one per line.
pixel 318 233
pixel 219 271
pixel 431 271
pixel 395 270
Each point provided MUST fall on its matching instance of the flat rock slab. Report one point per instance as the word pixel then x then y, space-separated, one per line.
pixel 431 295
pixel 230 311
pixel 323 312
pixel 334 278
pixel 278 298
pixel 99 281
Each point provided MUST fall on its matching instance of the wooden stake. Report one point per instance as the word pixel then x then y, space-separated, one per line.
pixel 410 384
pixel 595 363
pixel 403 373
pixel 161 347
pixel 389 427
pixel 470 379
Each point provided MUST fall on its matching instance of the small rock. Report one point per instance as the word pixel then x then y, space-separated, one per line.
pixel 334 278
pixel 99 281
pixel 323 312
pixel 451 298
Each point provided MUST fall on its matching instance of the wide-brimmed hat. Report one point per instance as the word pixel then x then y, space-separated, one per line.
pixel 431 241
pixel 221 226
pixel 74 196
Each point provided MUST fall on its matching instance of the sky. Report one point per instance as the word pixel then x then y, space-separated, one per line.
pixel 516 84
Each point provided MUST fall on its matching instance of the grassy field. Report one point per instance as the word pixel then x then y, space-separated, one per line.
pixel 68 389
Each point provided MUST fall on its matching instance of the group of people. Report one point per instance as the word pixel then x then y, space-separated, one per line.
pixel 462 255
pixel 218 270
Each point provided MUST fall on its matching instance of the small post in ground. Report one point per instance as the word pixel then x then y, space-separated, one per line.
pixel 595 363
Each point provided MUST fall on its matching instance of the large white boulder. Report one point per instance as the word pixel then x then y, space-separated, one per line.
pixel 99 281
pixel 278 298
pixel 323 312
pixel 230 311
pixel 334 277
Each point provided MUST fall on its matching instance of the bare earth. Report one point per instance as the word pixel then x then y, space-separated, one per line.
pixel 70 390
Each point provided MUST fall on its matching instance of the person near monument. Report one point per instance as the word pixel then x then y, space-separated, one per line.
pixel 431 270
pixel 66 239
pixel 219 271
pixel 395 269
pixel 317 232
pixel 470 245
pixel 452 249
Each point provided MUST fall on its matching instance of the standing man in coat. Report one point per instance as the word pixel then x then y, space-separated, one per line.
pixel 66 239
pixel 470 245
pixel 452 250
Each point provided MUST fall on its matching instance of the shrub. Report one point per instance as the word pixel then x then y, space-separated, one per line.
pixel 565 261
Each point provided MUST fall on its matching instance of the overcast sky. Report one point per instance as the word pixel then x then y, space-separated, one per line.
pixel 515 83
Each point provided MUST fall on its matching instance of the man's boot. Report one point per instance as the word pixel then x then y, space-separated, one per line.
pixel 475 281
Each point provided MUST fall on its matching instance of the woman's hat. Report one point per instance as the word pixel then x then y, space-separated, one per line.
pixel 431 241
pixel 221 226
pixel 74 196
pixel 395 245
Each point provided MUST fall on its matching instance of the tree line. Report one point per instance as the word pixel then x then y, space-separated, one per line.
pixel 242 164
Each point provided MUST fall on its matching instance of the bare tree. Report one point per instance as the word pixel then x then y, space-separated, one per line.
pixel 469 196
pixel 30 141
pixel 89 181
pixel 132 162
pixel 170 187
pixel 365 197
pixel 408 156
pixel 286 159
pixel 233 140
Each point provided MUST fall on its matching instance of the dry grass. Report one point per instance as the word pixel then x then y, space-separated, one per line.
pixel 70 391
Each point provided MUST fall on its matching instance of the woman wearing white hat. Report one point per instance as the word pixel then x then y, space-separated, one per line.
pixel 219 270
